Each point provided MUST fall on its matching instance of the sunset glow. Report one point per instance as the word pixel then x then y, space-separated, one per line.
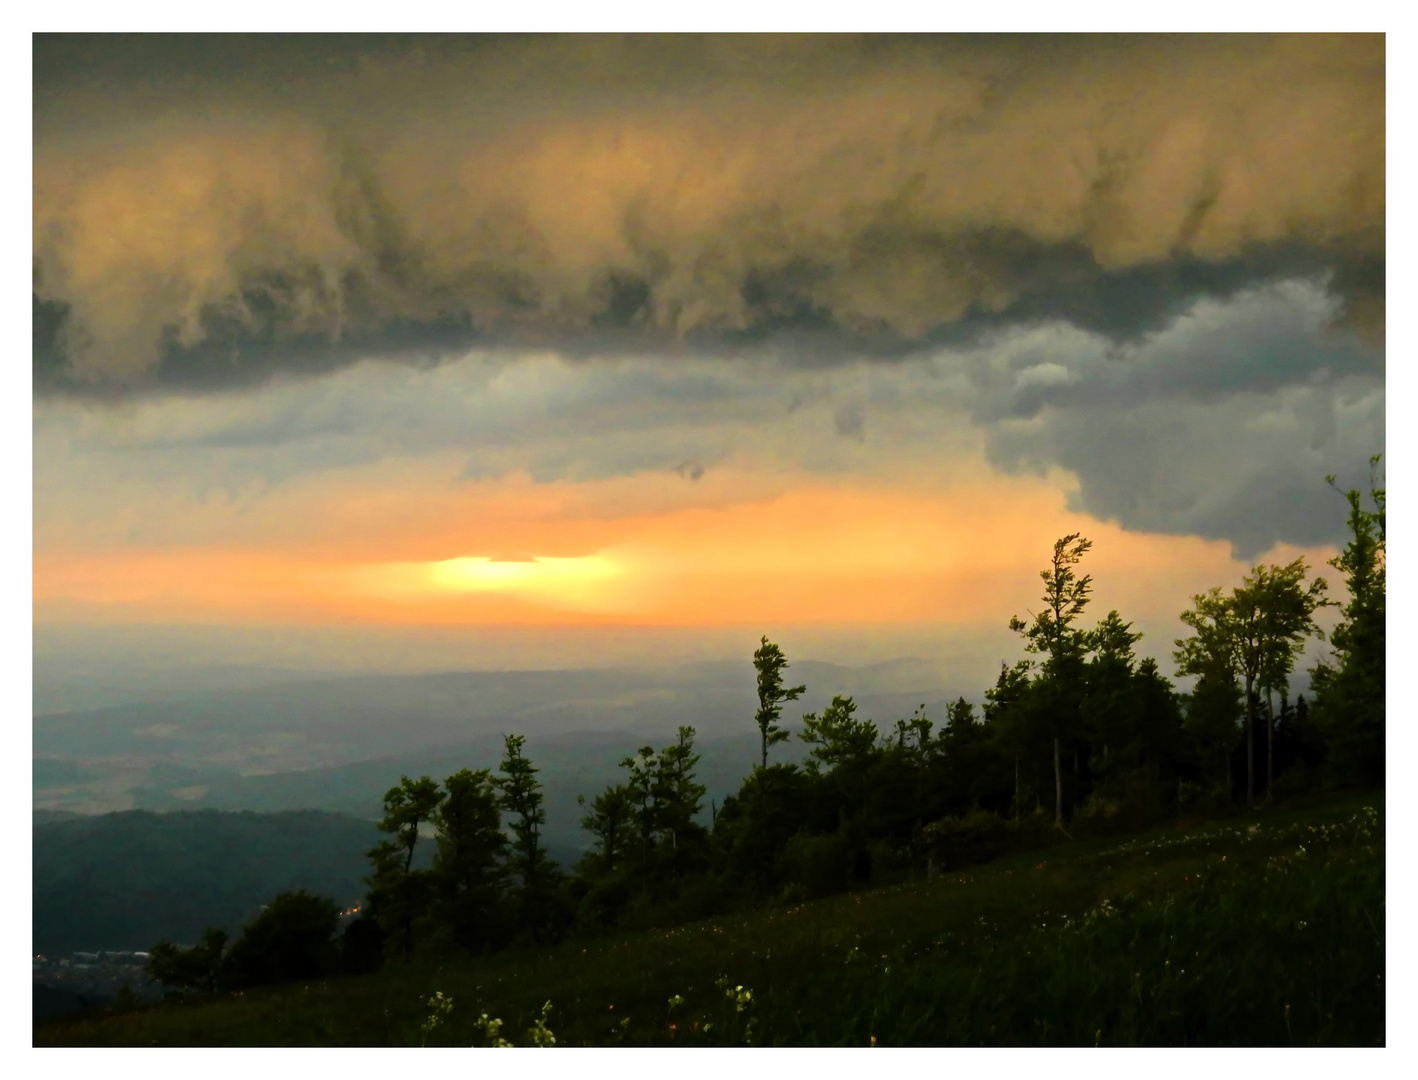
pixel 849 347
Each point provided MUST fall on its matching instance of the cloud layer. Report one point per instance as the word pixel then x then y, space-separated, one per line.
pixel 210 214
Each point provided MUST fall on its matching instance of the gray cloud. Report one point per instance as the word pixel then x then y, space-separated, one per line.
pixel 217 212
pixel 1224 426
pixel 1239 454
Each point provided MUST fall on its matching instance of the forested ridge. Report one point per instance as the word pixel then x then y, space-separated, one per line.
pixel 123 880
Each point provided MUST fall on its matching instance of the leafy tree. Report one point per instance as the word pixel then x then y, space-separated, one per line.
pixel 1215 702
pixel 847 747
pixel 1349 695
pixel 521 797
pixel 197 968
pixel 1005 711
pixel 769 662
pixel 646 794
pixel 468 867
pixel 755 824
pixel 838 738
pixel 1287 619
pixel 290 939
pixel 1256 631
pixel 399 895
pixel 1109 684
pixel 1054 635
pixel 681 797
pixel 610 821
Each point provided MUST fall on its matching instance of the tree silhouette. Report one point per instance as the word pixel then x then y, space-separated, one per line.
pixel 769 662
pixel 1054 635
pixel 399 894
pixel 468 864
pixel 1349 696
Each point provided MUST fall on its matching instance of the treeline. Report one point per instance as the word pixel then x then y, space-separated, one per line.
pixel 1079 735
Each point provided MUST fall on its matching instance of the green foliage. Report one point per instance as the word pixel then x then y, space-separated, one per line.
pixel 838 739
pixel 398 894
pixel 290 939
pixel 540 910
pixel 609 821
pixel 1053 633
pixel 468 868
pixel 1253 634
pixel 770 663
pixel 1349 695
pixel 198 968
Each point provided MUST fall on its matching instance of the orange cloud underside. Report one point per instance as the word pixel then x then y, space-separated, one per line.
pixel 967 554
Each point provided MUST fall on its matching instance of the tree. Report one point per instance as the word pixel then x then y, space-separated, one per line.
pixel 290 939
pixel 1209 654
pixel 1287 620
pixel 609 821
pixel 1109 684
pixel 845 745
pixel 398 893
pixel 521 796
pixel 468 864
pixel 1256 631
pixel 838 738
pixel 197 968
pixel 681 797
pixel 645 792
pixel 1054 635
pixel 769 662
pixel 1349 696
pixel 1004 709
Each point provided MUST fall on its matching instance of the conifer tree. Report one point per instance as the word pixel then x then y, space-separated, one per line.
pixel 521 796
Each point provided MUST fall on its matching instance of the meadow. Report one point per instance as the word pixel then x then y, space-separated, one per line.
pixel 1263 927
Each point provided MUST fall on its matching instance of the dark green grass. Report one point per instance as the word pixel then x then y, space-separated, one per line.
pixel 1265 929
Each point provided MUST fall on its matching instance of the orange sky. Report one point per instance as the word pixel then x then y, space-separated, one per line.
pixel 834 553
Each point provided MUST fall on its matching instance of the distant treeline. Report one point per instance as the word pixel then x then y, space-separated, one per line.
pixel 1079 736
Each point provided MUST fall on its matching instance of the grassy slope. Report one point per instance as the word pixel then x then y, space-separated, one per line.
pixel 1212 933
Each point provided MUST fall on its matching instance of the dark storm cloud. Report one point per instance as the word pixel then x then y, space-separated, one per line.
pixel 1223 426
pixel 214 211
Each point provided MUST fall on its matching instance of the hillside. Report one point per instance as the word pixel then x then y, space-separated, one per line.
pixel 124 880
pixel 1266 928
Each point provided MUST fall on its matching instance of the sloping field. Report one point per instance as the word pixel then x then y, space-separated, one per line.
pixel 1263 929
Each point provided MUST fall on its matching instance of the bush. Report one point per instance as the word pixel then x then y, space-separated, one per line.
pixel 956 842
pixel 1101 816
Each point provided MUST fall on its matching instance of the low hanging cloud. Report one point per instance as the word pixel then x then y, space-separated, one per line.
pixel 215 213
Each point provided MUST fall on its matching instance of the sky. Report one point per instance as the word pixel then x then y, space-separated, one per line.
pixel 535 350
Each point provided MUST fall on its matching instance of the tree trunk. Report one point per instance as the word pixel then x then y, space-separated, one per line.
pixel 1016 789
pixel 1250 743
pixel 1058 786
pixel 1269 744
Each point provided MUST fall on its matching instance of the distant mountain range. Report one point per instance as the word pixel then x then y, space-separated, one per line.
pixel 339 743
